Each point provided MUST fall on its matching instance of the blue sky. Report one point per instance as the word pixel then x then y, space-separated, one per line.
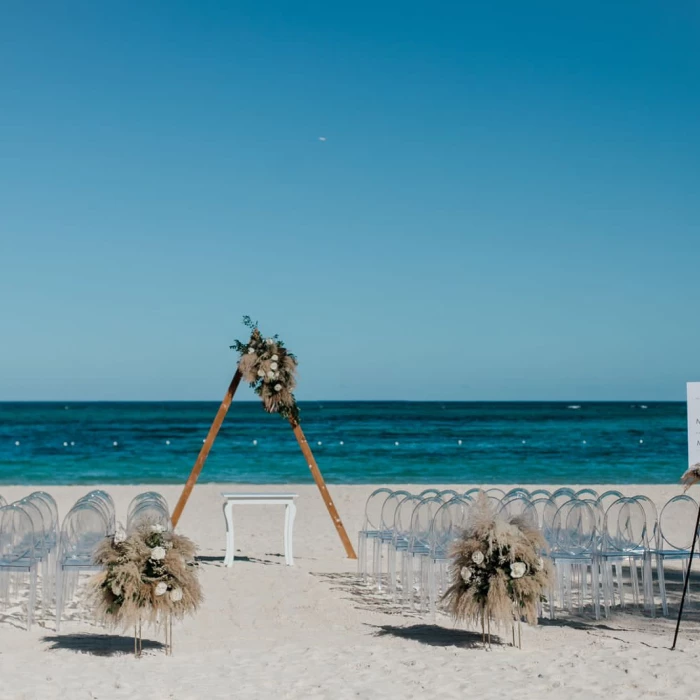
pixel 505 206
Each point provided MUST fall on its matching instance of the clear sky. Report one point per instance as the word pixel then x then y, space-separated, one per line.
pixel 506 204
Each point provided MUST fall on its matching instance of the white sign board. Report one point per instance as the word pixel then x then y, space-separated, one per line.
pixel 693 423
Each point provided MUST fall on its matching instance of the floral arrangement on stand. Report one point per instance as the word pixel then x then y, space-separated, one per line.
pixel 270 369
pixel 149 576
pixel 498 572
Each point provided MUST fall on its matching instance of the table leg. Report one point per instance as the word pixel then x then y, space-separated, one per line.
pixel 230 546
pixel 289 515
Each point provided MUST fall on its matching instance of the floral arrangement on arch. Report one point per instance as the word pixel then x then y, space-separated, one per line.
pixel 498 572
pixel 148 576
pixel 270 369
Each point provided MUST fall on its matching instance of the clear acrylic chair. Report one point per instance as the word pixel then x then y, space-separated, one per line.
pixel 675 539
pixel 587 494
pixel 83 528
pixel 427 493
pixel 447 494
pixel 495 493
pixel 624 540
pixel 651 545
pixel 448 525
pixel 386 532
pixel 18 561
pixel 146 496
pixel 401 533
pixel 472 493
pixel 574 535
pixel 371 527
pixel 47 540
pixel 540 493
pixel 152 512
pixel 105 506
pixel 418 548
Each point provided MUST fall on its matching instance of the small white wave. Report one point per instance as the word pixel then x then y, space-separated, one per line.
pixel 574 407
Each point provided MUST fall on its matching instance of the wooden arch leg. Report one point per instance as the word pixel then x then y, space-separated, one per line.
pixel 325 494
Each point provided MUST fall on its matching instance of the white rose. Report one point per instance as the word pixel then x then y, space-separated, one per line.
pixel 540 564
pixel 158 553
pixel 478 557
pixel 269 341
pixel 157 528
pixel 161 588
pixel 271 375
pixel 251 351
pixel 278 387
pixel 119 536
pixel 116 589
pixel 273 365
pixel 176 595
pixel 274 358
pixel 466 574
pixel 518 569
pixel 261 373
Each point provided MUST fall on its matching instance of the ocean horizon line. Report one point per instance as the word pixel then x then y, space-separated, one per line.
pixel 354 401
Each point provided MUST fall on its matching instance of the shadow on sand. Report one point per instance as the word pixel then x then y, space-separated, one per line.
pixel 98 644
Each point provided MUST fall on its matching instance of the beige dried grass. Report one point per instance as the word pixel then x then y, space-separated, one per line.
pixel 492 593
pixel 124 593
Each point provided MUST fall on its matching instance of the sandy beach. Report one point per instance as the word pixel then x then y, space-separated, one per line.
pixel 311 631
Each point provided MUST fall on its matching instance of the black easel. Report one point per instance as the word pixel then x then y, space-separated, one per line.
pixel 687 579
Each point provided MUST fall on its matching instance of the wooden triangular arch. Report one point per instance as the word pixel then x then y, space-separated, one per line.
pixel 306 451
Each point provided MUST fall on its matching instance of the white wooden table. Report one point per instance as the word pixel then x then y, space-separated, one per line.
pixel 261 499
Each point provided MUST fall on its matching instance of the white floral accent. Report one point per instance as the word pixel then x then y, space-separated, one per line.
pixel 466 574
pixel 540 564
pixel 176 595
pixel 119 536
pixel 271 375
pixel 158 553
pixel 251 351
pixel 261 373
pixel 478 557
pixel 116 589
pixel 161 588
pixel 274 358
pixel 273 365
pixel 157 528
pixel 518 569
pixel 278 387
pixel 269 341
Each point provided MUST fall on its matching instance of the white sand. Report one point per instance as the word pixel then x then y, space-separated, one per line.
pixel 267 630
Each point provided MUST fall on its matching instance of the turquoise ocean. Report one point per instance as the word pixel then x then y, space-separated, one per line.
pixel 354 442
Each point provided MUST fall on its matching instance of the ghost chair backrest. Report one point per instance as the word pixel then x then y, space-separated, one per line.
pixel 373 508
pixel 389 509
pixel 52 508
pixel 149 513
pixel 673 523
pixel 146 496
pixel 520 509
pixel 16 536
pixel 83 528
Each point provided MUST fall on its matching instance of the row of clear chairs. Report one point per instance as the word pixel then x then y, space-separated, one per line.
pixel 89 521
pixel 86 524
pixel 28 530
pixel 592 539
pixel 41 559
